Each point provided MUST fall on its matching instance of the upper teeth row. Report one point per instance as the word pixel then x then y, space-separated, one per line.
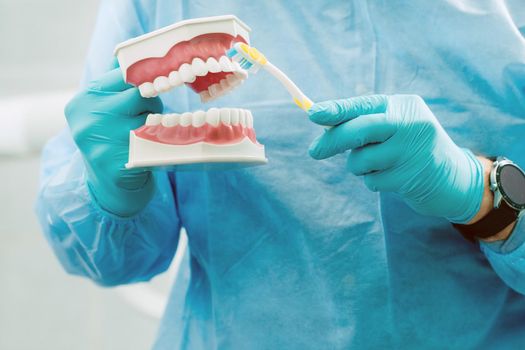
pixel 227 116
pixel 187 73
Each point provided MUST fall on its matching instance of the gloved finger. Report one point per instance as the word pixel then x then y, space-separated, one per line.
pixel 382 181
pixel 131 103
pixel 119 126
pixel 355 133
pixel 112 81
pixel 130 122
pixel 115 63
pixel 136 121
pixel 133 179
pixel 335 112
pixel 373 157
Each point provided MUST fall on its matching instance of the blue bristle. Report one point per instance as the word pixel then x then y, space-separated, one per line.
pixel 231 52
pixel 245 64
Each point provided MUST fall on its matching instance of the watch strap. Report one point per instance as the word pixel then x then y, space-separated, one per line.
pixel 495 221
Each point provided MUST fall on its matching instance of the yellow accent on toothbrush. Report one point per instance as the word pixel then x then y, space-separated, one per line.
pixel 304 104
pixel 252 60
pixel 254 54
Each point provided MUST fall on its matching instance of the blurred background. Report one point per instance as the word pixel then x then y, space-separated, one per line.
pixel 41 307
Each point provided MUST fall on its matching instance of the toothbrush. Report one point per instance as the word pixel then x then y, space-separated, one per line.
pixel 252 60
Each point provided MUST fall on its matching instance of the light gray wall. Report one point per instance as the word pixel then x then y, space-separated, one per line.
pixel 43 43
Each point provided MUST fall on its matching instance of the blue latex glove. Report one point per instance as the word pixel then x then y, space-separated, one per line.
pixel 100 119
pixel 398 145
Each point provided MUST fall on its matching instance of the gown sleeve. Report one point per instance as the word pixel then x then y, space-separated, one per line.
pixel 508 257
pixel 87 240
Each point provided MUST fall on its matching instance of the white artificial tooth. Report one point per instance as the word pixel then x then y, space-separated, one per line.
pixel 249 119
pixel 212 116
pixel 153 119
pixel 225 90
pixel 185 119
pixel 198 119
pixel 222 92
pixel 236 66
pixel 235 80
pixel 232 80
pixel 241 74
pixel 214 90
pixel 239 71
pixel 174 79
pixel 224 114
pixel 226 64
pixel 199 67
pixel 242 117
pixel 224 84
pixel 186 73
pixel 161 84
pixel 205 96
pixel 234 115
pixel 147 90
pixel 212 65
pixel 170 120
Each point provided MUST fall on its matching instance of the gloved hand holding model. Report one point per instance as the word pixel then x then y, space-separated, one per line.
pixel 100 119
pixel 398 145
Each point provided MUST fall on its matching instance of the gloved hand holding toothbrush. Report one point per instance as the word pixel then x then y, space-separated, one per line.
pixel 398 145
pixel 100 119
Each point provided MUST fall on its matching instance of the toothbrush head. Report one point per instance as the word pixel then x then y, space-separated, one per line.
pixel 248 57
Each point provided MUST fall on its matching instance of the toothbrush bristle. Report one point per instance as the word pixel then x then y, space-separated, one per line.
pixel 246 64
pixel 231 53
pixel 235 55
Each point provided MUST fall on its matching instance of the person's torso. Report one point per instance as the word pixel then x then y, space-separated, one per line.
pixel 298 254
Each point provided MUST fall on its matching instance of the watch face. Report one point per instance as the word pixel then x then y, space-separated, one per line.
pixel 512 185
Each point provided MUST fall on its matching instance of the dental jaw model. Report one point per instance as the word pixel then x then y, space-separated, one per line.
pixel 190 53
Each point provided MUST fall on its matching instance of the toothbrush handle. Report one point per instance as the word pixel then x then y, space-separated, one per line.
pixel 298 96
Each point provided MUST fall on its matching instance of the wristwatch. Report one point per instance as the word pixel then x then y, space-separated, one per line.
pixel 507 182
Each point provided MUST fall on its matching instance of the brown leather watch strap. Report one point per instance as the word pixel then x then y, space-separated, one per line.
pixel 495 221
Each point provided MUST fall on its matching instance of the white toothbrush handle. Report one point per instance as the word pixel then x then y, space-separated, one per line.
pixel 298 96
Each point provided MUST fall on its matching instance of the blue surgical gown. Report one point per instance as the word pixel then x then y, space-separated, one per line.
pixel 298 254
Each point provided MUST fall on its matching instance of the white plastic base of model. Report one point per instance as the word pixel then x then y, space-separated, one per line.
pixel 160 41
pixel 146 153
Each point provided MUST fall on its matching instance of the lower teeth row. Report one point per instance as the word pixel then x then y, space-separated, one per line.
pixel 214 116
